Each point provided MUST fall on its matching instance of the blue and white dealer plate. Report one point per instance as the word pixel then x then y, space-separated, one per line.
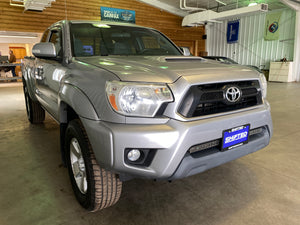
pixel 235 137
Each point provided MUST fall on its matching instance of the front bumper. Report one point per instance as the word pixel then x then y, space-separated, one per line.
pixel 172 141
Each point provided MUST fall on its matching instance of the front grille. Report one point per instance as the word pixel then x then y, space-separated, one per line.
pixel 209 99
pixel 214 146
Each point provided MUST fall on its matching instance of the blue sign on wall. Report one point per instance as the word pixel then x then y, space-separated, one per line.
pixel 233 31
pixel 117 15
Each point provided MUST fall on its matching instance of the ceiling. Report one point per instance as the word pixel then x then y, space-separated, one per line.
pixel 173 6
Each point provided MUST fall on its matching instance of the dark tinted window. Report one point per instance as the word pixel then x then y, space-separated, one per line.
pixel 56 39
pixel 45 35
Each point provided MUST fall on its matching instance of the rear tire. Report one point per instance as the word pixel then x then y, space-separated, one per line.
pixel 94 187
pixel 35 113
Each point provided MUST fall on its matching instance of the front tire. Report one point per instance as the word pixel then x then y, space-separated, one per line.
pixel 94 187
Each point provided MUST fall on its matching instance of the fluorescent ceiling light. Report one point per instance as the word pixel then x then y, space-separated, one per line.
pixel 13 34
pixel 252 3
pixel 37 5
pixel 7 36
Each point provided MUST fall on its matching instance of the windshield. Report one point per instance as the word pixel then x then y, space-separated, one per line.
pixel 103 40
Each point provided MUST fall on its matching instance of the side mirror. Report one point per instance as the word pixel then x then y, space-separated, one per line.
pixel 185 51
pixel 44 50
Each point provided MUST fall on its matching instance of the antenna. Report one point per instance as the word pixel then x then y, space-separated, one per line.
pixel 66 12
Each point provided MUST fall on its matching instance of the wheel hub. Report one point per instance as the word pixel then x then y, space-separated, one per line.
pixel 78 166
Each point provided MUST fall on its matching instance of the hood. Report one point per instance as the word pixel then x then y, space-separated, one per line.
pixel 161 69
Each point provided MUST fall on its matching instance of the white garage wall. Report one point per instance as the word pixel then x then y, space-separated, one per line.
pixel 251 48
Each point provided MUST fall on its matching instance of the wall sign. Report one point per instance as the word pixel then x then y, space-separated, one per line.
pixel 233 31
pixel 117 15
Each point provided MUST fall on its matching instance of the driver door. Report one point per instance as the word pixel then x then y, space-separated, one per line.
pixel 48 74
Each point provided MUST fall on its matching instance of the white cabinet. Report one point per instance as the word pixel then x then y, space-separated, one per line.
pixel 281 71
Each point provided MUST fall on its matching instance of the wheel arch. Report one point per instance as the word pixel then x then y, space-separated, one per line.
pixel 73 104
pixel 28 81
pixel 73 100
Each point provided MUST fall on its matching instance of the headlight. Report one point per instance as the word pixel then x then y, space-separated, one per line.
pixel 263 84
pixel 135 99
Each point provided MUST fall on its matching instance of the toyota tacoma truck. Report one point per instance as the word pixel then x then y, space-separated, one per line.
pixel 130 105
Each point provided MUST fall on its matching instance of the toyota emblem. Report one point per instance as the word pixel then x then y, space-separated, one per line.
pixel 233 94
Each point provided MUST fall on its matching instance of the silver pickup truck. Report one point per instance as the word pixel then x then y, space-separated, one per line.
pixel 131 105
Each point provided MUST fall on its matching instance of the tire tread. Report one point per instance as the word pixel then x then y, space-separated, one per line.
pixel 108 187
pixel 38 113
pixel 35 112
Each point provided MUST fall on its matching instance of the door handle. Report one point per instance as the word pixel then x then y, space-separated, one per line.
pixel 39 72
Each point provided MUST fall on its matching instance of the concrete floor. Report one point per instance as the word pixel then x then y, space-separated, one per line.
pixel 262 188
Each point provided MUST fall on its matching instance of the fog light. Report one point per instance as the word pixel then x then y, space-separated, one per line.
pixel 134 155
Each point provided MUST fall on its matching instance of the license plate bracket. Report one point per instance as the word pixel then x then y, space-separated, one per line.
pixel 235 137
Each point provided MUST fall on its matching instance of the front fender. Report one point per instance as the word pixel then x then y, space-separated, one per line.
pixel 78 101
pixel 28 80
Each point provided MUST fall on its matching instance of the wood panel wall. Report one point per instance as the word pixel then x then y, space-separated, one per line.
pixel 16 19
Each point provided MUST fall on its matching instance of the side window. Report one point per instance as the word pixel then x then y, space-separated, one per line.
pixel 56 39
pixel 45 35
